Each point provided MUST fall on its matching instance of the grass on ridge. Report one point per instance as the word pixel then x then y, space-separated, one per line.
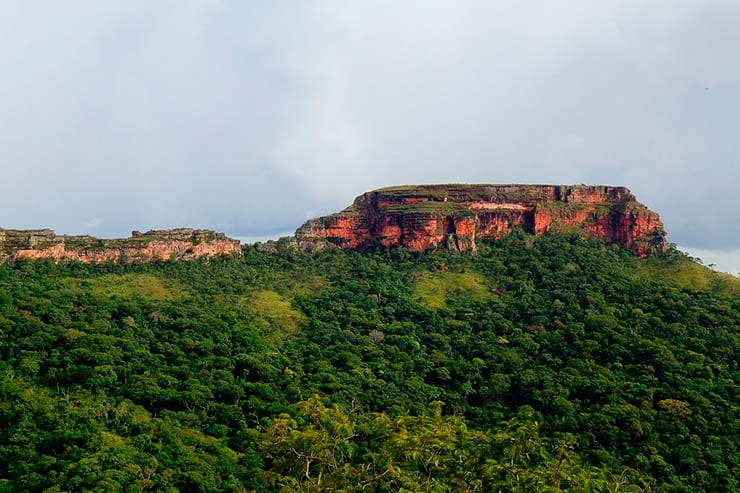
pixel 276 314
pixel 688 274
pixel 432 289
pixel 130 286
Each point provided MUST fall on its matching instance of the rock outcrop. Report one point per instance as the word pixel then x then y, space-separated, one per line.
pixel 173 244
pixel 455 216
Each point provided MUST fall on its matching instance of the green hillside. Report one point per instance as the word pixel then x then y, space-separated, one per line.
pixel 683 272
pixel 536 364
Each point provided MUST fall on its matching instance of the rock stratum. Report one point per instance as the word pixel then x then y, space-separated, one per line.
pixel 420 218
pixel 154 245
pixel 455 216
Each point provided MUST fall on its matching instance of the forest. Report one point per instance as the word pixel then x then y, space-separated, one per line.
pixel 536 364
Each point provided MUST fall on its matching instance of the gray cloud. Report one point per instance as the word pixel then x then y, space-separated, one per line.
pixel 250 119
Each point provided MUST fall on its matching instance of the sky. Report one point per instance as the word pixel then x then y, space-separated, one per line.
pixel 250 117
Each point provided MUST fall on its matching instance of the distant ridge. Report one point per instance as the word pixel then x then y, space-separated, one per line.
pixel 172 244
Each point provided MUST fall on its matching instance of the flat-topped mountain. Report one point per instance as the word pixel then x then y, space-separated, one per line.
pixel 172 244
pixel 420 218
pixel 454 216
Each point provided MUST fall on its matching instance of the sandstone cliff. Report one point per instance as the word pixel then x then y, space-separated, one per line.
pixel 455 216
pixel 174 244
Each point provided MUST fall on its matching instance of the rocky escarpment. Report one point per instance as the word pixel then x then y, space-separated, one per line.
pixel 455 216
pixel 173 244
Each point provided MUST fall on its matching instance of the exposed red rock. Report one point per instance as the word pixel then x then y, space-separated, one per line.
pixel 454 216
pixel 175 244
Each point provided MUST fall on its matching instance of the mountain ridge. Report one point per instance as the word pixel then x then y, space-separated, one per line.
pixel 417 217
pixel 170 244
pixel 423 217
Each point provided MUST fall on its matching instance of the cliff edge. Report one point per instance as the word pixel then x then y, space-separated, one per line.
pixel 172 244
pixel 454 216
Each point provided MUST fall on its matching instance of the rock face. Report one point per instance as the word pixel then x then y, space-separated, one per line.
pixel 173 244
pixel 454 216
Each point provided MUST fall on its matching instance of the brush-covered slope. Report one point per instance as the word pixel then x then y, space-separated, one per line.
pixel 547 363
pixel 455 216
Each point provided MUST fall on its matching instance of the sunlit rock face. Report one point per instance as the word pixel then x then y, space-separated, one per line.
pixel 454 216
pixel 155 245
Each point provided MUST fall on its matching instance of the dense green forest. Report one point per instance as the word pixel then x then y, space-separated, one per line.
pixel 536 364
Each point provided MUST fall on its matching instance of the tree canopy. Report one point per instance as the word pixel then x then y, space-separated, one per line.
pixel 537 364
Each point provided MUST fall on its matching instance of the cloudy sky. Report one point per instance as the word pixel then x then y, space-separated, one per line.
pixel 249 117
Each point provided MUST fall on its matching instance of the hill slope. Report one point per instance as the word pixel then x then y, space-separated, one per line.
pixel 540 362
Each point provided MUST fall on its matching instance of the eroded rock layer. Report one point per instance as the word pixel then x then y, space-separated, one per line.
pixel 454 216
pixel 173 244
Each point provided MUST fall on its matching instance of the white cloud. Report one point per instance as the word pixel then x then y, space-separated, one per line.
pixel 261 238
pixel 93 223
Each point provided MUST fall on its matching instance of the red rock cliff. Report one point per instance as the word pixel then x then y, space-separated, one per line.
pixel 454 216
pixel 174 244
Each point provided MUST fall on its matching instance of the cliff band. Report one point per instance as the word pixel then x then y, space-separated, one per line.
pixel 454 216
pixel 173 244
